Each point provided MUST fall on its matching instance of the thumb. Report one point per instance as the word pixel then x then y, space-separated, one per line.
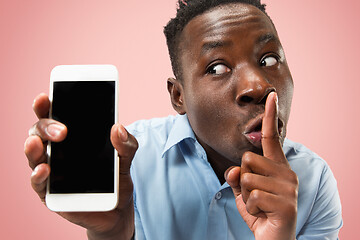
pixel 232 177
pixel 126 146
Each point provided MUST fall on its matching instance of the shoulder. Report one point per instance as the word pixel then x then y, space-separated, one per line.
pixel 157 129
pixel 302 157
pixel 319 204
pixel 142 126
pixel 316 179
pixel 153 136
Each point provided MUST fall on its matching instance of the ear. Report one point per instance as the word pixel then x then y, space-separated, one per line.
pixel 175 89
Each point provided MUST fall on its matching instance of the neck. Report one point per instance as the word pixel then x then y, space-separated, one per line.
pixel 219 164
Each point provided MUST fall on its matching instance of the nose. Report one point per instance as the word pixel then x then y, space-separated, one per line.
pixel 252 87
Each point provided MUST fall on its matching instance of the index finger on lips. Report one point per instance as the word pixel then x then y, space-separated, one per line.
pixel 41 105
pixel 270 139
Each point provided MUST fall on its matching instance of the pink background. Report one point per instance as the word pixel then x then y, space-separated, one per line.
pixel 321 39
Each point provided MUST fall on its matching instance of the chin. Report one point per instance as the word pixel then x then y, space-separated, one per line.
pixel 236 158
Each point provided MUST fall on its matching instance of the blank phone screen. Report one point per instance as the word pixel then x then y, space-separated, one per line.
pixel 84 161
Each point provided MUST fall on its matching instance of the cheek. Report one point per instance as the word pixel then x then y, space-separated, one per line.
pixel 205 110
pixel 212 120
pixel 286 100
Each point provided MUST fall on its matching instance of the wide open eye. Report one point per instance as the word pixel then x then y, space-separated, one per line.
pixel 269 61
pixel 218 69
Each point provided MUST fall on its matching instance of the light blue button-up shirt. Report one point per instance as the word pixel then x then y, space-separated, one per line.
pixel 177 195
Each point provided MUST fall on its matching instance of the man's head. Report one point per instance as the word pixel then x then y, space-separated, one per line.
pixel 228 58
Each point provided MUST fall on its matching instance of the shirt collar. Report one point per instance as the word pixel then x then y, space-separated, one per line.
pixel 180 130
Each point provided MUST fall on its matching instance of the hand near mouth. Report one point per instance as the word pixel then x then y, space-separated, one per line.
pixel 265 187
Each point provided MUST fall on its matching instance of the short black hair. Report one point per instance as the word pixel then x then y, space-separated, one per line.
pixel 187 10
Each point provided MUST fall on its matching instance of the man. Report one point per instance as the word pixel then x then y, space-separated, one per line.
pixel 222 168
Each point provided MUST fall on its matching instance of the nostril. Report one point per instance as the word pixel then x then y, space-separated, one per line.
pixel 246 99
pixel 263 100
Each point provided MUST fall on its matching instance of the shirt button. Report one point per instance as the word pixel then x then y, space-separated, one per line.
pixel 218 196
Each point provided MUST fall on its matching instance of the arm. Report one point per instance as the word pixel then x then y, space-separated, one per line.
pixel 116 224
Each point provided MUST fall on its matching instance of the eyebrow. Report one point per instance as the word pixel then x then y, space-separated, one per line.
pixel 268 37
pixel 213 44
pixel 262 39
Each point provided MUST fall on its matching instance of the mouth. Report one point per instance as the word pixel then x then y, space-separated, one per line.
pixel 253 130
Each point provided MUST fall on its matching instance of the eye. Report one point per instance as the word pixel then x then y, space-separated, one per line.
pixel 218 69
pixel 269 61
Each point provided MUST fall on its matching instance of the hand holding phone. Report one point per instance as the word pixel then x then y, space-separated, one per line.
pixel 97 223
pixel 84 173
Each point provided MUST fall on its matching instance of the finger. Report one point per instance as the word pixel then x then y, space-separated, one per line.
pixel 232 177
pixel 49 130
pixel 41 105
pixel 34 151
pixel 263 203
pixel 253 163
pixel 270 139
pixel 251 181
pixel 259 202
pixel 126 146
pixel 241 206
pixel 39 178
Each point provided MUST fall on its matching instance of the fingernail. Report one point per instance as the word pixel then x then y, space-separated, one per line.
pixel 33 105
pixel 25 145
pixel 276 102
pixel 226 174
pixel 35 171
pixel 122 133
pixel 42 177
pixel 54 130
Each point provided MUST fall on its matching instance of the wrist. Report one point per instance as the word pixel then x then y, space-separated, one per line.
pixel 123 229
pixel 109 236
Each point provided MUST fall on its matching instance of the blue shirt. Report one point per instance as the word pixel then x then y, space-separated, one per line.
pixel 177 195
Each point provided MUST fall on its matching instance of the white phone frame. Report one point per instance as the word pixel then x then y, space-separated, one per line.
pixel 84 202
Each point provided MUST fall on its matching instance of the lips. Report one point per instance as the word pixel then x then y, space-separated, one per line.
pixel 253 130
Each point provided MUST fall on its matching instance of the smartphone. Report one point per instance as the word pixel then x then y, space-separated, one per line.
pixel 84 167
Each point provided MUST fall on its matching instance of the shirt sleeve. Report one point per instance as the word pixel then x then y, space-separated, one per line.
pixel 325 219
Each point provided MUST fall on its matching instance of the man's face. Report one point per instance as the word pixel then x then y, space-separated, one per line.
pixel 231 58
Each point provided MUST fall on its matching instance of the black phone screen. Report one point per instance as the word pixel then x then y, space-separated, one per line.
pixel 84 161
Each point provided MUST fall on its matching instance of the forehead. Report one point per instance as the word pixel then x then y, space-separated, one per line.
pixel 224 21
